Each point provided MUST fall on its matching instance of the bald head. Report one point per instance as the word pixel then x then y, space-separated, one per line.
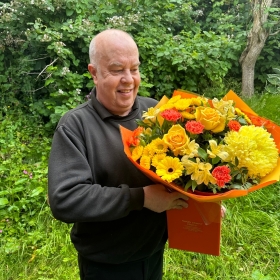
pixel 114 67
pixel 106 42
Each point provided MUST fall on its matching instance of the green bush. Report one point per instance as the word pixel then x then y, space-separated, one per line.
pixel 45 47
pixel 24 149
pixel 273 82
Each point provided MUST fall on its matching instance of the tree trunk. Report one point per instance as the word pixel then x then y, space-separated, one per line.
pixel 255 43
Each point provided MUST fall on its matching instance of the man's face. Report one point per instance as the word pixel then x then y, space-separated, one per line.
pixel 117 76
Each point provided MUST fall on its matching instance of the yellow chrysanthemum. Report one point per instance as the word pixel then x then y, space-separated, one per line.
pixel 148 151
pixel 254 148
pixel 217 150
pixel 166 106
pixel 187 115
pixel 159 146
pixel 174 99
pixel 199 101
pixel 157 158
pixel 240 113
pixel 145 162
pixel 151 114
pixel 182 104
pixel 226 108
pixel 199 171
pixel 137 152
pixel 170 169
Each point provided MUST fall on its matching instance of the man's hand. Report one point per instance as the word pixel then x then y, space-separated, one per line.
pixel 158 199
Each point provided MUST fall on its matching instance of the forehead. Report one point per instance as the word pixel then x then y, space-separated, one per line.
pixel 120 59
pixel 119 50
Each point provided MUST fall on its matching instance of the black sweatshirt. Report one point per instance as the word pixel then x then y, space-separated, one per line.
pixel 93 185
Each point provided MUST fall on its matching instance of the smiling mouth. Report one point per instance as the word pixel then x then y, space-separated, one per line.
pixel 125 91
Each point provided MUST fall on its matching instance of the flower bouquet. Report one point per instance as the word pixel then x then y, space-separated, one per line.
pixel 210 150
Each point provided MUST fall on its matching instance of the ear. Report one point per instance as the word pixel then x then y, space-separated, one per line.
pixel 93 72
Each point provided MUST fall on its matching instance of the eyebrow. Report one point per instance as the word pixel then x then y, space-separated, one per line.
pixel 118 64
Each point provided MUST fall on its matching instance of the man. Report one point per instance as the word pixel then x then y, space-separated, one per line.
pixel 118 213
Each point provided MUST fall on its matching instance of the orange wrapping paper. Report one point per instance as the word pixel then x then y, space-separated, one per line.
pixel 197 228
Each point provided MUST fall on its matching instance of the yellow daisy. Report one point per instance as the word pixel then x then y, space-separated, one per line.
pixel 254 148
pixel 159 146
pixel 157 158
pixel 170 169
pixel 166 106
pixel 145 162
pixel 137 152
pixel 187 115
pixel 182 104
pixel 148 151
pixel 174 99
pixel 199 101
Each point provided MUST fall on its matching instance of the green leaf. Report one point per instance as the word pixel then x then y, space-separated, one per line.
pixel 37 191
pixel 16 190
pixel 202 153
pixel 69 12
pixel 49 81
pixel 194 185
pixel 215 160
pixel 3 201
pixel 188 185
pixel 20 181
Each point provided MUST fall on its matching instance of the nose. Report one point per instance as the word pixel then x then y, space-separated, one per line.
pixel 127 77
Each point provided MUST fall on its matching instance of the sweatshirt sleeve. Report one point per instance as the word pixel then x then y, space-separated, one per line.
pixel 73 194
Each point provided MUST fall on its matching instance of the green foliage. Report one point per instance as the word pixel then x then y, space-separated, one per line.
pixel 234 20
pixel 46 51
pixel 23 171
pixel 186 61
pixel 273 82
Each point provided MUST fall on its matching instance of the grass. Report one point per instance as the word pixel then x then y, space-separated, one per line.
pixel 250 240
pixel 266 105
pixel 250 247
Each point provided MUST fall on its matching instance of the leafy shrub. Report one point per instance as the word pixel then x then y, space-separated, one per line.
pixel 45 46
pixel 273 82
pixel 23 178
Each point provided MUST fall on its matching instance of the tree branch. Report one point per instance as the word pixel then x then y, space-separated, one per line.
pixel 46 68
pixel 274 33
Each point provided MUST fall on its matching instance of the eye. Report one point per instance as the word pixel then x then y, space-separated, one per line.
pixel 117 71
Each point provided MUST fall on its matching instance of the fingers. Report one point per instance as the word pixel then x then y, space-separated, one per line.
pixel 178 195
pixel 179 204
pixel 158 199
